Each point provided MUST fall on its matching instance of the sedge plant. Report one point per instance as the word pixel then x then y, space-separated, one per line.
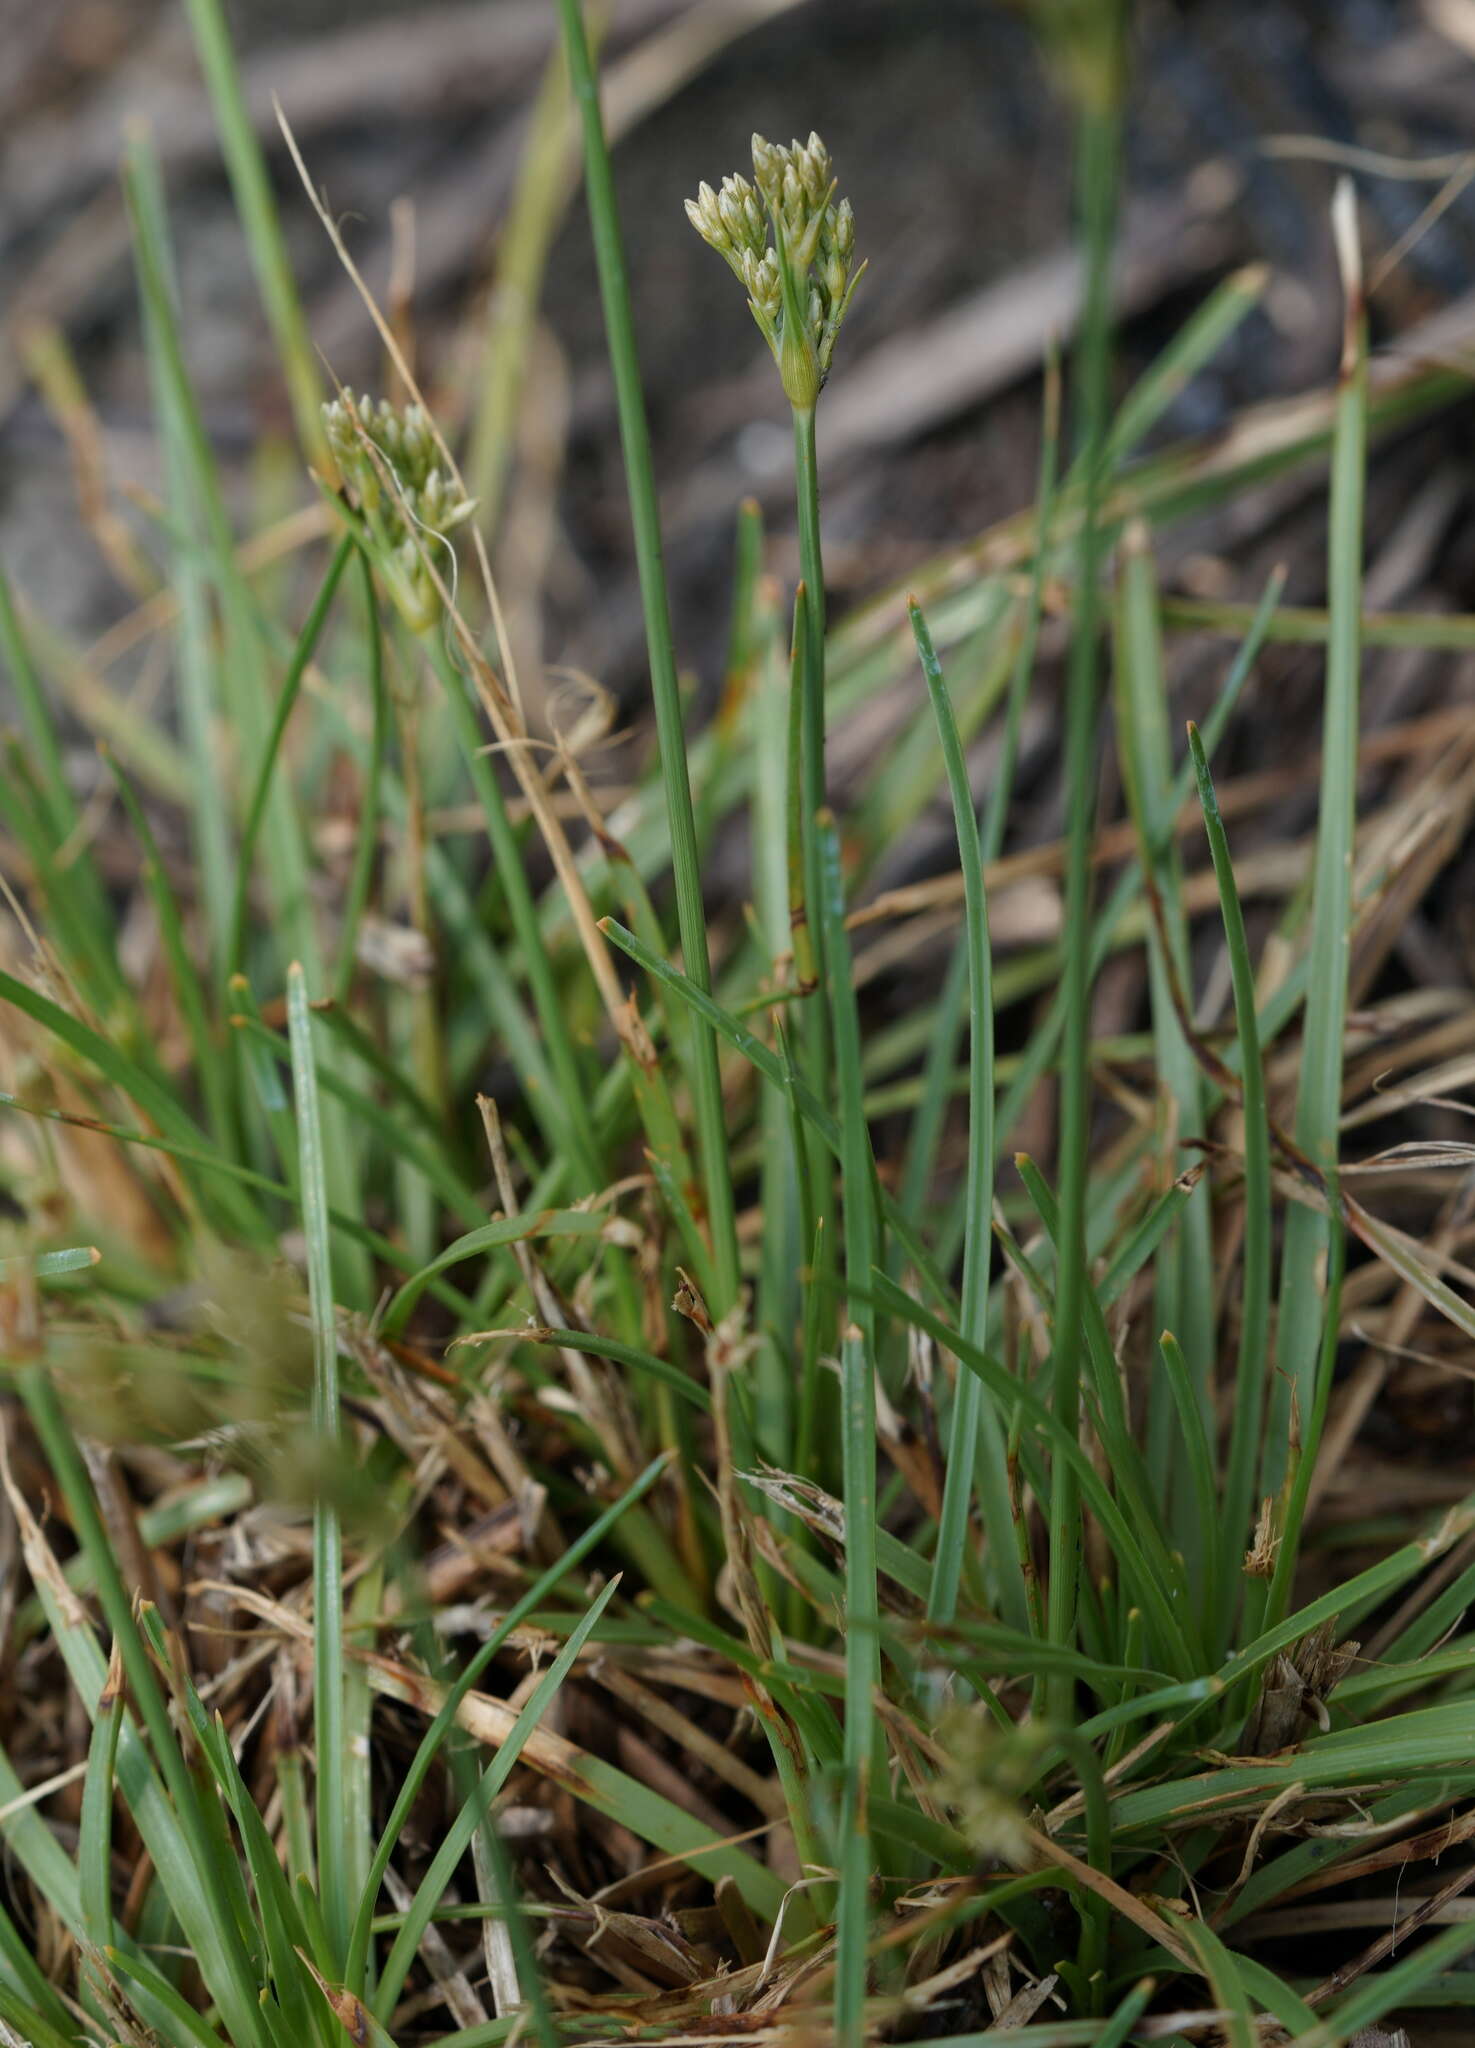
pixel 697 1540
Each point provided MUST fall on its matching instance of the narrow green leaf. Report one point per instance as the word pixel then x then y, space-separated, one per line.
pixel 976 1444
pixel 457 1839
pixel 335 1852
pixel 1319 1100
pixel 666 694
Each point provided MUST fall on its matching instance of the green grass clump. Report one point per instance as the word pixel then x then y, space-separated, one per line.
pixel 661 1546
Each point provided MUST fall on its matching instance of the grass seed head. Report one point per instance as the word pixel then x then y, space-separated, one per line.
pixel 389 462
pixel 799 283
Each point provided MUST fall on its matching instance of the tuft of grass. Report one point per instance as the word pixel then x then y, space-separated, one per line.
pixel 690 1541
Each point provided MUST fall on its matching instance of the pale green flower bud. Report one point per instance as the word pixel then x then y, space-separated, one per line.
pixel 418 444
pixel 765 288
pixel 707 216
pixel 742 220
pixel 730 216
pixel 800 285
pixel 768 169
pixel 388 461
pixel 754 221
pixel 843 231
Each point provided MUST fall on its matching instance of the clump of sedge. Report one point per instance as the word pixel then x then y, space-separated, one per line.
pixel 389 463
pixel 799 285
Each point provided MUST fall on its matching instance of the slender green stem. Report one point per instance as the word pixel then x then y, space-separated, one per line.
pixel 670 725
pixel 1318 1102
pixel 777 1390
pixel 210 1063
pixel 811 674
pixel 302 654
pixel 1098 172
pixel 366 843
pixel 942 1049
pixel 977 1440
pixel 819 1026
pixel 811 568
pixel 258 211
pixel 1306 1437
pixel 334 1861
pixel 1249 1378
pixel 858 1446
pixel 1184 1268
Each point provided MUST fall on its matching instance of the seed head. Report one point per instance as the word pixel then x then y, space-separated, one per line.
pixel 705 215
pixel 389 463
pixel 800 283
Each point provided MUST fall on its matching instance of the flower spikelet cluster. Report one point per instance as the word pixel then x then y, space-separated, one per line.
pixel 799 282
pixel 388 459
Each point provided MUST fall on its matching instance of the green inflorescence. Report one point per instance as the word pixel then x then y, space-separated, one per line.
pixel 389 461
pixel 800 283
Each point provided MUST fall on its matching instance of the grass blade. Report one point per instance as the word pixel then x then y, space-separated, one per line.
pixel 476 1811
pixel 210 1059
pixel 337 1855
pixel 976 1445
pixel 1249 1378
pixel 302 654
pixel 95 1836
pixel 264 239
pixel 858 1408
pixel 1184 1271
pixel 947 1027
pixel 1318 1104
pixel 366 843
pixel 445 1717
pixel 165 1802
pixel 670 724
pixel 1098 174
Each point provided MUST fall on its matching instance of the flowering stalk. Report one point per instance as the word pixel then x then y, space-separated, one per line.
pixel 799 289
pixel 799 285
pixel 388 461
pixel 619 323
pixel 389 469
pixel 791 244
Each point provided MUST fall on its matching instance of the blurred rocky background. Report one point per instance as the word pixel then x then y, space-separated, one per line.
pixel 948 138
